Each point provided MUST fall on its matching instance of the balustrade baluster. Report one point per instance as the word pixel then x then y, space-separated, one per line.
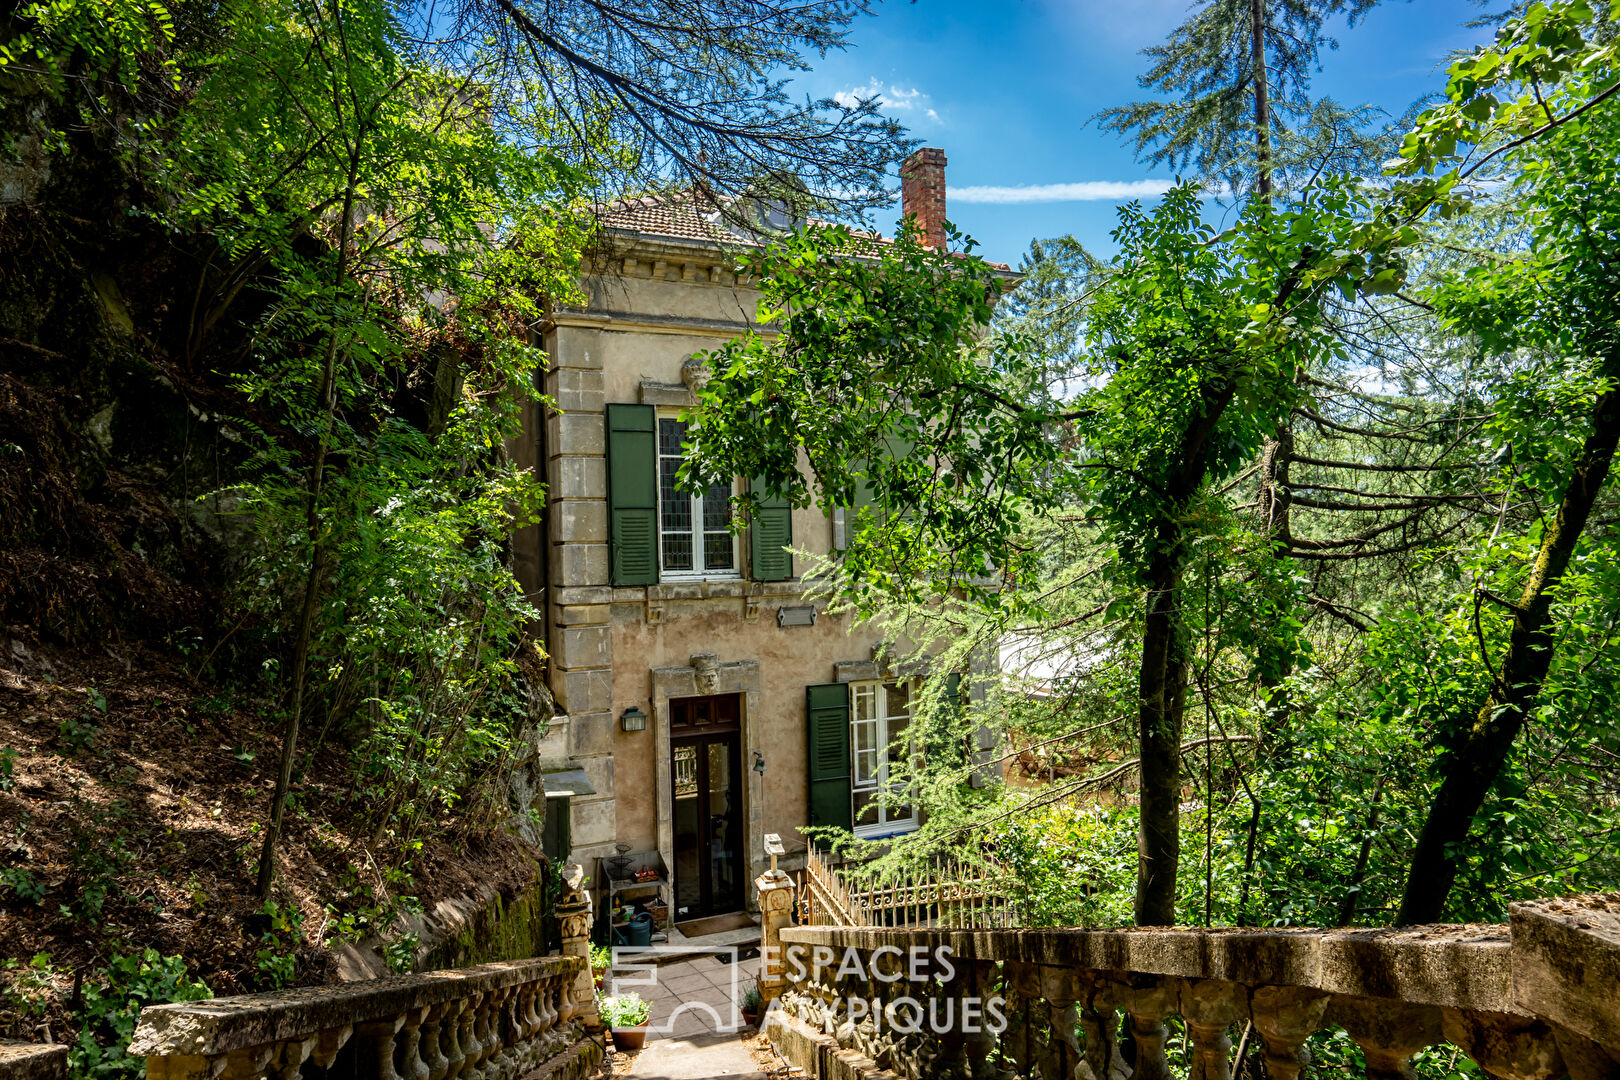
pixel 248 1063
pixel 328 1042
pixel 1147 1005
pixel 547 1004
pixel 1388 1034
pixel 1099 1021
pixel 1021 1043
pixel 452 1041
pixel 489 1042
pixel 535 1021
pixel 1209 1007
pixel 1285 1017
pixel 980 1044
pixel 1063 991
pixel 378 1038
pixel 501 1064
pixel 432 1032
pixel 289 1058
pixel 411 1066
pixel 467 1039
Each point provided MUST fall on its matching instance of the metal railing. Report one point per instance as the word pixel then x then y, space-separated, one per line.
pixel 939 894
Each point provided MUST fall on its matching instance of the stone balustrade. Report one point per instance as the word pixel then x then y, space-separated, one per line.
pixel 1537 999
pixel 501 1021
pixel 32 1061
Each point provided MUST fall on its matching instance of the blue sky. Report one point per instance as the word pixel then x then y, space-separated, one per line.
pixel 1006 87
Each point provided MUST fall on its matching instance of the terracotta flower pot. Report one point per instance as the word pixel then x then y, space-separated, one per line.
pixel 750 1018
pixel 628 1039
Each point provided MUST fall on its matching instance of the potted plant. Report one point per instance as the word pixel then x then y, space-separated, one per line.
pixel 626 1015
pixel 601 961
pixel 752 1005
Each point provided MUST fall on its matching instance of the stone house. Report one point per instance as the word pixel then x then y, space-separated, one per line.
pixel 707 702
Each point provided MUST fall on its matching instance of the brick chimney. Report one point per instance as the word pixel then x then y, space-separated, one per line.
pixel 922 192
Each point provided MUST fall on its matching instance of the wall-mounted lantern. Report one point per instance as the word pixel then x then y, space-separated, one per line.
pixel 633 719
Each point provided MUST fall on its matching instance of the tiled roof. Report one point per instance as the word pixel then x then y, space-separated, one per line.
pixel 687 216
pixel 678 215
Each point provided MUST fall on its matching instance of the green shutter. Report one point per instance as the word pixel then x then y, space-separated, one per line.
pixel 633 493
pixel 827 727
pixel 770 534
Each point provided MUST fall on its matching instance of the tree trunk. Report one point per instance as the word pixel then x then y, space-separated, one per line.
pixel 1262 105
pixel 327 400
pixel 1162 697
pixel 1162 678
pixel 1474 767
pixel 1276 663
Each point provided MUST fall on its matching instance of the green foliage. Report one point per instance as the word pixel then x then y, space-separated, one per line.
pixel 276 959
pixel 28 992
pixel 1205 74
pixel 8 768
pixel 79 734
pixel 23 882
pixel 622 1010
pixel 61 39
pixel 601 958
pixel 868 336
pixel 98 856
pixel 113 1000
pixel 400 953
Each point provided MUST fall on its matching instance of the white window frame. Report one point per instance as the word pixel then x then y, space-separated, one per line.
pixel 877 720
pixel 699 571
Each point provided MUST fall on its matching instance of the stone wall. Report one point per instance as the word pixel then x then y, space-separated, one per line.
pixel 653 308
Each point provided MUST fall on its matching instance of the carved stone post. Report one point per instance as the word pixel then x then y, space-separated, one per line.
pixel 574 925
pixel 378 1038
pixel 1147 1005
pixel 1063 991
pixel 775 911
pixel 1506 1046
pixel 1388 1033
pixel 412 1067
pixel 1209 1007
pixel 1285 1017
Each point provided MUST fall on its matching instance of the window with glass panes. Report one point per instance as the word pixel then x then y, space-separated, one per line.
pixel 880 715
pixel 694 529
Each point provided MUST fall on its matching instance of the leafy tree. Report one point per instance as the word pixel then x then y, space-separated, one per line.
pixel 1557 298
pixel 1194 342
pixel 688 92
pixel 1233 78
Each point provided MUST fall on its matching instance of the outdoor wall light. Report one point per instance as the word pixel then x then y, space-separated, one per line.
pixel 759 763
pixel 633 719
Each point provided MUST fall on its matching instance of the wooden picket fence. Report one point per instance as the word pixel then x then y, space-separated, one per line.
pixel 946 894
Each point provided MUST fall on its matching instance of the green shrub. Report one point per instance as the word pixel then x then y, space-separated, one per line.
pixel 277 958
pixel 400 953
pixel 109 1012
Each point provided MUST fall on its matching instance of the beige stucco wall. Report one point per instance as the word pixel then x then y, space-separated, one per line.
pixel 790 658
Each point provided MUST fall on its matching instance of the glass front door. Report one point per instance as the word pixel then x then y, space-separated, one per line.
pixel 705 758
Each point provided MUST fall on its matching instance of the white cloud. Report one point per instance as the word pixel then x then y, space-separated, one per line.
pixel 891 97
pixel 1084 191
